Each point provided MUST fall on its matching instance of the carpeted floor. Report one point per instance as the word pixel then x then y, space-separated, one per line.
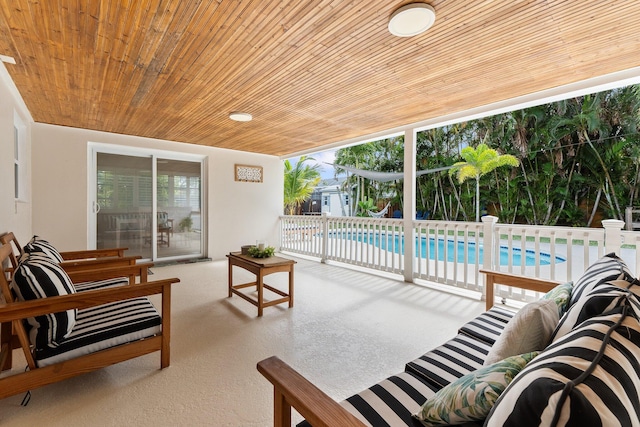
pixel 347 331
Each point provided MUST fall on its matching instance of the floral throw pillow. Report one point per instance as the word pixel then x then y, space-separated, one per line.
pixel 471 397
pixel 561 295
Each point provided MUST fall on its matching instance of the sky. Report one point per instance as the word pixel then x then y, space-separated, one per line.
pixel 326 171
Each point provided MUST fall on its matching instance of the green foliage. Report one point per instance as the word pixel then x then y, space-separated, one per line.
pixel 366 205
pixel 186 223
pixel 478 162
pixel 299 182
pixel 578 159
pixel 255 252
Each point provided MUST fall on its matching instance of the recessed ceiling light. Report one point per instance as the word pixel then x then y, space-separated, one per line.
pixel 7 59
pixel 240 117
pixel 412 19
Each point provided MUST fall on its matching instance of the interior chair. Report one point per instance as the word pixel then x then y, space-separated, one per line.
pixel 165 229
pixel 62 306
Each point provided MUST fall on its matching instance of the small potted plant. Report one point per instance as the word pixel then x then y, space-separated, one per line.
pixel 186 223
pixel 266 252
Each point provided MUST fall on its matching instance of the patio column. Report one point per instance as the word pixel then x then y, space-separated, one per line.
pixel 409 196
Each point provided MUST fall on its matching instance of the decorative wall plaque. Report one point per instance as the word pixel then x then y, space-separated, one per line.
pixel 248 173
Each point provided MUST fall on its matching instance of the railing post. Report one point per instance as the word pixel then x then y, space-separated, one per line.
pixel 281 232
pixel 325 237
pixel 488 241
pixel 612 235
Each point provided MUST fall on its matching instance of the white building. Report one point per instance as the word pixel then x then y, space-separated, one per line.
pixel 334 201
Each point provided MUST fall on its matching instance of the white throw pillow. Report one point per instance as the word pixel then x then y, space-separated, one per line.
pixel 529 330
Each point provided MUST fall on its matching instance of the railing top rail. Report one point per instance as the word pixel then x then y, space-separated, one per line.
pixel 551 228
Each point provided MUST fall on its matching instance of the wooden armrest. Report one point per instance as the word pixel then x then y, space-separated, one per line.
pixel 292 389
pixel 93 253
pixel 131 271
pixel 75 265
pixel 516 281
pixel 24 309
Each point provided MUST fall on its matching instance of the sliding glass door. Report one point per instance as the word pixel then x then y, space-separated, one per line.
pixel 179 208
pixel 149 203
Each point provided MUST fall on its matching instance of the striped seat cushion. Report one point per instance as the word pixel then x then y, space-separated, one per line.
pixel 586 378
pixel 391 402
pixel 101 284
pixel 104 326
pixel 450 361
pixel 489 325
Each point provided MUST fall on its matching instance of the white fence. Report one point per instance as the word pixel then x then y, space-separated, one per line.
pixel 452 253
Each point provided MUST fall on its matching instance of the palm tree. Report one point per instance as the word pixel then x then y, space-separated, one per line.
pixel 299 182
pixel 587 123
pixel 478 162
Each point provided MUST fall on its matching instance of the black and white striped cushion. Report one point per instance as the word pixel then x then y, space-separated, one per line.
pixel 391 402
pixel 489 325
pixel 36 244
pixel 450 361
pixel 105 326
pixel 101 284
pixel 599 391
pixel 37 277
pixel 609 267
pixel 601 299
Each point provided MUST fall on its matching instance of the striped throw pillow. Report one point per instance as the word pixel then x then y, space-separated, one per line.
pixel 602 299
pixel 36 244
pixel 36 277
pixel 609 267
pixel 589 377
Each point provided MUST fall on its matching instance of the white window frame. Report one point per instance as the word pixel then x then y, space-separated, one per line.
pixel 19 158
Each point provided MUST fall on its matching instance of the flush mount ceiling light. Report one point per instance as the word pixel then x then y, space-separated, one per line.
pixel 412 19
pixel 240 117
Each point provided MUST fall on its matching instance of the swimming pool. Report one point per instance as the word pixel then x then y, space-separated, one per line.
pixel 396 243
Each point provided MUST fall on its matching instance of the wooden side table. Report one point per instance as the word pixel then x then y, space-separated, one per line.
pixel 261 267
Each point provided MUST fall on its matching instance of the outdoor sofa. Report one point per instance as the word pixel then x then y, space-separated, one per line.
pixel 571 358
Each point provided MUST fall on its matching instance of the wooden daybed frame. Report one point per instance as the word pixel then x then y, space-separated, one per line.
pixel 13 334
pixel 293 390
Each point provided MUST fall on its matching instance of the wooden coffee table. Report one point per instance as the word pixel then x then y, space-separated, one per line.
pixel 261 267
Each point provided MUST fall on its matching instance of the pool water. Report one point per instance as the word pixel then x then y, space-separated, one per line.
pixel 396 243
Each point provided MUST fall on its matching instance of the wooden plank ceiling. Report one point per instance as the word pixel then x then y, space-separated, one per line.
pixel 311 73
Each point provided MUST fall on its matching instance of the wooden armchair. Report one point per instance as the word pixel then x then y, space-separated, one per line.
pixel 291 389
pixel 76 260
pixel 74 354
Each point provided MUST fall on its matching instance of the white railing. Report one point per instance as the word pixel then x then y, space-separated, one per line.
pixel 446 253
pixel 366 242
pixel 452 253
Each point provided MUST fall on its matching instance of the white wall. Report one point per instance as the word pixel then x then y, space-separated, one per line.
pixel 239 213
pixel 14 216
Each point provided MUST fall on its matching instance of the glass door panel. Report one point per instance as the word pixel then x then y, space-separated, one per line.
pixel 125 203
pixel 179 208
